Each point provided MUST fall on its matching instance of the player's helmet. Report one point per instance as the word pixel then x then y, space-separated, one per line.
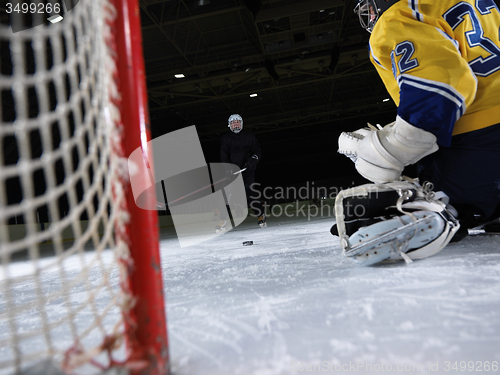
pixel 235 123
pixel 369 11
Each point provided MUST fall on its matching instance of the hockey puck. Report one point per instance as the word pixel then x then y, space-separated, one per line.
pixel 247 243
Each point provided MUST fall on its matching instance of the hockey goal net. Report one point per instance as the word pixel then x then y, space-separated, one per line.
pixel 80 274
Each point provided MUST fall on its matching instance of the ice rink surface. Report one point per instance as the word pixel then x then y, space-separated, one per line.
pixel 292 304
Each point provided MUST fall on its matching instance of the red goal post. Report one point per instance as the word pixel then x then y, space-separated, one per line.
pixel 149 340
pixel 74 107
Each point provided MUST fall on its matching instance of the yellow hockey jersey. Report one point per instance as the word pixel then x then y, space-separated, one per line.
pixel 440 62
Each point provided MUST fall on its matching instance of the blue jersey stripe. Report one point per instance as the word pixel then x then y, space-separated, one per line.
pixel 455 43
pixel 431 106
pixel 441 88
pixel 413 4
pixel 375 59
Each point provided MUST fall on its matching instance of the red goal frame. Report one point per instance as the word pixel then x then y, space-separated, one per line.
pixel 146 325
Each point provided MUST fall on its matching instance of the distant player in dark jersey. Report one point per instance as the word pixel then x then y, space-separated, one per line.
pixel 240 147
pixel 440 62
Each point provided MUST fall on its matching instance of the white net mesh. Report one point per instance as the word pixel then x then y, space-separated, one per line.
pixel 60 290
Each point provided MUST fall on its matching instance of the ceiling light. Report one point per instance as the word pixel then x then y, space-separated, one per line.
pixel 253 95
pixel 180 75
pixel 55 18
pixel 386 100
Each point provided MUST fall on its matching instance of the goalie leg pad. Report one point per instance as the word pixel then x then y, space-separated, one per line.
pixel 390 239
pixel 417 224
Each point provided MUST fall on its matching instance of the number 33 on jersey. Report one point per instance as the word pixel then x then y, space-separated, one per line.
pixel 440 61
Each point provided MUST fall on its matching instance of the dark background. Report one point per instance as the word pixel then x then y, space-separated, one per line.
pixel 306 59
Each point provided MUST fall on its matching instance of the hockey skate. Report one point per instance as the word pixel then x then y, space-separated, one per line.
pixel 399 220
pixel 221 227
pixel 262 221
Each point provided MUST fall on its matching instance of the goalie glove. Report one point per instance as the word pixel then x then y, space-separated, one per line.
pixel 396 220
pixel 380 154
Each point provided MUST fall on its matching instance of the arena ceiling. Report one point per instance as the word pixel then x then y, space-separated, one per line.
pixel 307 61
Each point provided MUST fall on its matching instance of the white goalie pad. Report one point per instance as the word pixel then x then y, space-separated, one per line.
pixel 416 224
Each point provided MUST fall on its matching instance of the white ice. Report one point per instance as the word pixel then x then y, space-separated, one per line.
pixel 292 304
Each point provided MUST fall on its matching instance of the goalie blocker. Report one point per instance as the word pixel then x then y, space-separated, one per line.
pixel 399 220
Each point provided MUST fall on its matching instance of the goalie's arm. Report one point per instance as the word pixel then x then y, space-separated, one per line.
pixel 425 73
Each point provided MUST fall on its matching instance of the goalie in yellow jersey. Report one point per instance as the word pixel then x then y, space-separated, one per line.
pixel 440 62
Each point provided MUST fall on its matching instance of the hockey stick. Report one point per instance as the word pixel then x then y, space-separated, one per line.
pixel 481 229
pixel 205 187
